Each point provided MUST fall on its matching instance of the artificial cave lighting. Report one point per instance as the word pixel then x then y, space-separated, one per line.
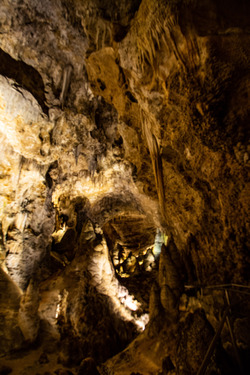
pixel 103 276
pixel 124 187
pixel 160 238
pixel 128 300
pixel 57 310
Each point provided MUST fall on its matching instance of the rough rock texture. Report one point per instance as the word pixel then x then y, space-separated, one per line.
pixel 121 121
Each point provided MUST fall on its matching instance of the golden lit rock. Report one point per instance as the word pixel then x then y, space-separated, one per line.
pixel 124 191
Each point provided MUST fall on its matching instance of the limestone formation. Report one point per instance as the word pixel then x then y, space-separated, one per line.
pixel 124 188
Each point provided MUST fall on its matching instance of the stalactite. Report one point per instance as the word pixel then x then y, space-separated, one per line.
pixel 65 84
pixel 21 164
pixel 148 125
pixel 152 24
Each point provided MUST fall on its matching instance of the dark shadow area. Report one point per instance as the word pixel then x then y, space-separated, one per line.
pixel 25 76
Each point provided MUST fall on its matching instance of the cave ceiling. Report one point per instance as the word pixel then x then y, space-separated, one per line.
pixel 124 160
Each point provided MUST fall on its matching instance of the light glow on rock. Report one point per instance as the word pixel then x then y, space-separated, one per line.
pixel 58 235
pixel 103 278
pixel 21 119
pixel 128 300
pixel 57 310
pixel 142 322
pixel 84 187
pixel 160 238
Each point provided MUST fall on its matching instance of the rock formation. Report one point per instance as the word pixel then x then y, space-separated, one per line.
pixel 124 190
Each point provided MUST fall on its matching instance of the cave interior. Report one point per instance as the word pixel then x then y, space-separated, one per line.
pixel 124 187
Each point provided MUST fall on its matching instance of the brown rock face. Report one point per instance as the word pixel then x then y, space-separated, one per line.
pixel 124 195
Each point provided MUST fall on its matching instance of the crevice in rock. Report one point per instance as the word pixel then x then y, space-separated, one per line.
pixel 25 76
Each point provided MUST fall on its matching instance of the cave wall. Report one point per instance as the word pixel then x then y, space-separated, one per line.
pixel 112 111
pixel 183 81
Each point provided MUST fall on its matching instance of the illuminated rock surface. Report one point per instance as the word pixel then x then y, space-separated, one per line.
pixel 124 190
